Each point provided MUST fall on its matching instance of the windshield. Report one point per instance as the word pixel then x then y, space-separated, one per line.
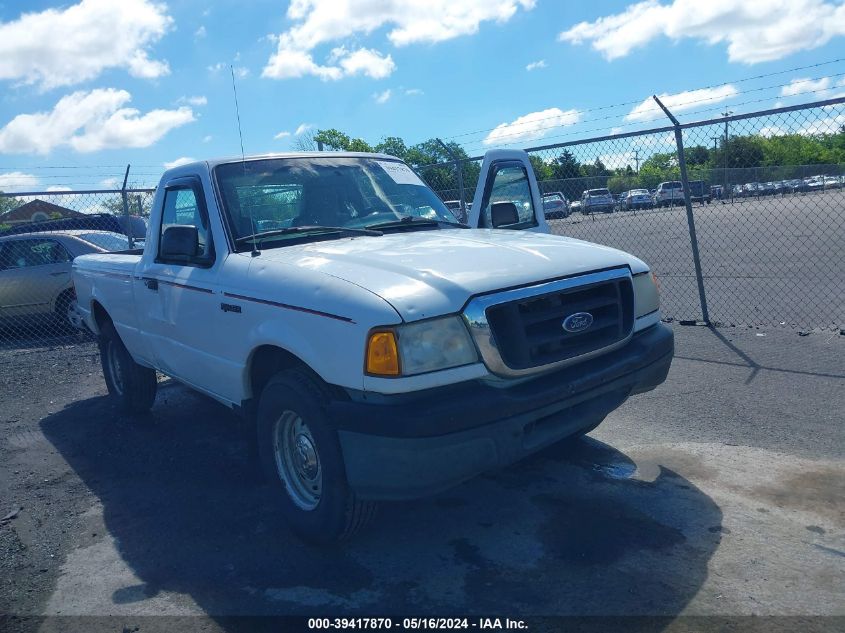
pixel 639 192
pixel 598 192
pixel 280 193
pixel 107 241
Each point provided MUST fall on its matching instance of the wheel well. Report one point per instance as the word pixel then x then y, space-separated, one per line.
pixel 266 361
pixel 101 317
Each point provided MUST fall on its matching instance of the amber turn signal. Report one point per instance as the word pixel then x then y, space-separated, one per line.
pixel 382 354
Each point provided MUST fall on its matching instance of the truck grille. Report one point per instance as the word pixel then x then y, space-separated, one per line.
pixel 530 333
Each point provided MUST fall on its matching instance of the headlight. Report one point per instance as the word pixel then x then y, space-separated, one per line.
pixel 422 347
pixel 646 294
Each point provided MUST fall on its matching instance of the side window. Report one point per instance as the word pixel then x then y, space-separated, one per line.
pixel 182 208
pixel 511 184
pixel 28 253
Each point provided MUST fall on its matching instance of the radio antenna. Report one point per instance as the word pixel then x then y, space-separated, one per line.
pixel 255 251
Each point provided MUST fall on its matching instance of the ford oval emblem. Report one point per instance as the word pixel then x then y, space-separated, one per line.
pixel 578 322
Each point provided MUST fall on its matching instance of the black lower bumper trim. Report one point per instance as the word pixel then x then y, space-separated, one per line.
pixel 640 365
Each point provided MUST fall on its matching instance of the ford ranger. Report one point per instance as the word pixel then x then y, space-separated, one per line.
pixel 382 349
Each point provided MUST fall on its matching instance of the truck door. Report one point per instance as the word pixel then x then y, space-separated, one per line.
pixel 175 296
pixel 507 177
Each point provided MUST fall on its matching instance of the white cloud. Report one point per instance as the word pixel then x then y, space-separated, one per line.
pixel 382 97
pixel 413 92
pixel 799 86
pixel 680 102
pixel 290 64
pixel 182 160
pixel 200 32
pixel 535 65
pixel 59 188
pixel 110 183
pixel 194 101
pixel 207 138
pixel 318 22
pixel 753 31
pixel 18 181
pixel 281 135
pixel 302 128
pixel 61 47
pixel 240 71
pixel 364 61
pixel 88 122
pixel 531 126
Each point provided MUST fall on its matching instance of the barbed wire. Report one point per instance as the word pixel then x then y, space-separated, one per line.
pixel 661 117
pixel 675 107
pixel 708 87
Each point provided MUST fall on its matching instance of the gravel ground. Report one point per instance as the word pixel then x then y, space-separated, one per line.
pixel 718 494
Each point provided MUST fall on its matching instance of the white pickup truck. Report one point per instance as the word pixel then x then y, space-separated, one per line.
pixel 383 350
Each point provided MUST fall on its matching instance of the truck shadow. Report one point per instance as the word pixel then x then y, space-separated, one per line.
pixel 573 530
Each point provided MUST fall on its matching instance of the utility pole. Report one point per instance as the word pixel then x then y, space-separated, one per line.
pixel 637 160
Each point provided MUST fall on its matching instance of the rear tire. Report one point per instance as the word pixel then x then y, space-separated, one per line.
pixel 301 457
pixel 132 386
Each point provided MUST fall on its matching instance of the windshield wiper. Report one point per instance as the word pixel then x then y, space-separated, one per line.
pixel 315 228
pixel 408 221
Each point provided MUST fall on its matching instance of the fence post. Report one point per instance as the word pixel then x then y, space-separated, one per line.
pixel 129 232
pixel 682 164
pixel 460 169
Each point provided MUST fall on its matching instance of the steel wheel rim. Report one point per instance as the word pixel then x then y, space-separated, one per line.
pixel 115 369
pixel 73 316
pixel 297 460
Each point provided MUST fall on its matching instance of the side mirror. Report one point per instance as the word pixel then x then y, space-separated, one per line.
pixel 180 241
pixel 503 214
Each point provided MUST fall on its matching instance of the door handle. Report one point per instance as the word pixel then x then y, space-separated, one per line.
pixel 152 284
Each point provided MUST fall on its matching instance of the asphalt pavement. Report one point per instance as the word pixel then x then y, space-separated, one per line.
pixel 721 493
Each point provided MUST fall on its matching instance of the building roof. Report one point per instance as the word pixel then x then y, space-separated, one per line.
pixel 36 211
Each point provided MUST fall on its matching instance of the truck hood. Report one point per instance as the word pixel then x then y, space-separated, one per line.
pixel 431 273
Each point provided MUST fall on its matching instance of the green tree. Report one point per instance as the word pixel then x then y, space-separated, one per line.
pixel 394 146
pixel 565 166
pixel 696 155
pixel 9 203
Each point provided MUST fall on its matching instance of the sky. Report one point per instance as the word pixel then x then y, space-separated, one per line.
pixel 93 85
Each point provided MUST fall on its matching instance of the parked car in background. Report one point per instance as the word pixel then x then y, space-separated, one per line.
pixel 35 281
pixel 699 191
pixel 832 182
pixel 555 205
pixel 669 193
pixel 575 206
pixel 816 183
pixel 637 199
pixel 595 200
pixel 132 225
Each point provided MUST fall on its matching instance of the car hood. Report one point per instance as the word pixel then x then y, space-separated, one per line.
pixel 430 273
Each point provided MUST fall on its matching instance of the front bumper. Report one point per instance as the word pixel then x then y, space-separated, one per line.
pixel 411 445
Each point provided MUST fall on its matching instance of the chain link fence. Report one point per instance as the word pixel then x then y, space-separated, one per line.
pixel 41 232
pixel 762 209
pixel 753 234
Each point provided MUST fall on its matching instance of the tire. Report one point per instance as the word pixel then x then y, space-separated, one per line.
pixel 131 385
pixel 301 457
pixel 69 317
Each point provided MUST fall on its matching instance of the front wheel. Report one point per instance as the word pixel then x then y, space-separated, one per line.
pixel 68 313
pixel 131 385
pixel 301 457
